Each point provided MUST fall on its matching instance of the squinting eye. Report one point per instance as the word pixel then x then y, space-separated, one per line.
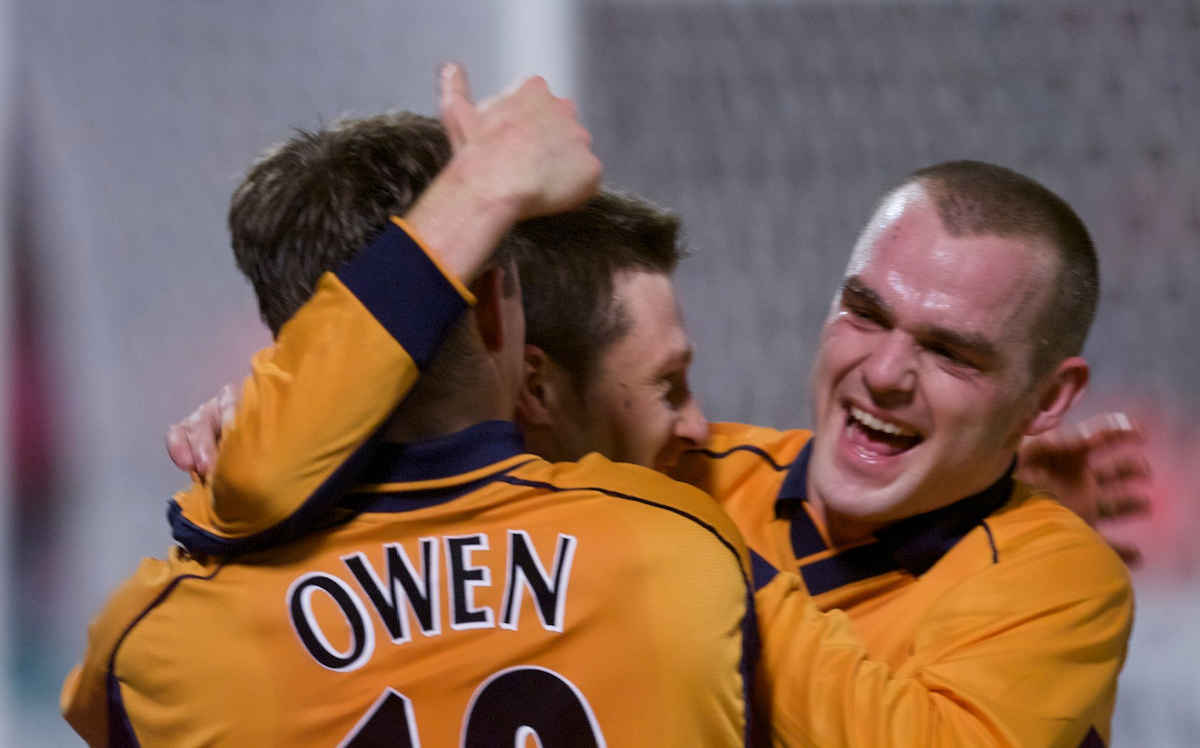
pixel 950 356
pixel 863 317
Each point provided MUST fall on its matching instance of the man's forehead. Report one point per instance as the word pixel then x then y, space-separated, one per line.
pixel 655 320
pixel 890 209
pixel 908 224
pixel 957 328
pixel 986 301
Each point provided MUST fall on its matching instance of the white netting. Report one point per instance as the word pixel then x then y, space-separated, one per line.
pixel 773 127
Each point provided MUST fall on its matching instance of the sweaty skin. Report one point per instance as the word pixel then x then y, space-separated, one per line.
pixel 922 383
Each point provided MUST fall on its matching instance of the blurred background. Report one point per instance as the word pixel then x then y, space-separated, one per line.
pixel 770 126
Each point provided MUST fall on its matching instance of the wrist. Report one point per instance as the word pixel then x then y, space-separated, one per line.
pixel 463 215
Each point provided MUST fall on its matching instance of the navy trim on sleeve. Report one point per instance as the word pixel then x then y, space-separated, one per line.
pixel 405 291
pixel 318 510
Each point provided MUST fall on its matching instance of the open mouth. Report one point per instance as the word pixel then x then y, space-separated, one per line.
pixel 877 436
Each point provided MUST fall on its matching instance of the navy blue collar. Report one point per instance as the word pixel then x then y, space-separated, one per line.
pixel 914 544
pixel 462 452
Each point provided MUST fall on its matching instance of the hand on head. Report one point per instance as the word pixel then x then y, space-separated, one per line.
pixel 527 139
pixel 518 155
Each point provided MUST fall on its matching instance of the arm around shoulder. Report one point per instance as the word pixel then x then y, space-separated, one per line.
pixel 314 400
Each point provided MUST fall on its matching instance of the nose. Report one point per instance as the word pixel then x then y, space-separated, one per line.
pixel 889 370
pixel 691 426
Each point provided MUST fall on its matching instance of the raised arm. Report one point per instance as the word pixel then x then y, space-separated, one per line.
pixel 347 358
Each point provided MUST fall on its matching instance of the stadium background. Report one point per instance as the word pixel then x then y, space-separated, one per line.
pixel 770 125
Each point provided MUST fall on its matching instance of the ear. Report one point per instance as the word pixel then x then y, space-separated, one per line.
pixel 488 289
pixel 535 401
pixel 1059 394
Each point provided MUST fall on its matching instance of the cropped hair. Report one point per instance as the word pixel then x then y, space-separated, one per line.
pixel 311 203
pixel 975 198
pixel 568 265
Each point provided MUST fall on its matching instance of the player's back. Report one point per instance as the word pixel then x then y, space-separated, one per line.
pixel 588 603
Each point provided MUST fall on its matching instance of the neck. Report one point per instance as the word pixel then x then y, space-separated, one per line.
pixel 419 418
pixel 846 530
pixel 842 530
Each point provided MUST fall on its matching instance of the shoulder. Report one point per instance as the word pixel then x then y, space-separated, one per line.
pixel 1034 527
pixel 136 594
pixel 630 488
pixel 1035 554
pixel 739 462
pixel 772 446
pixel 84 697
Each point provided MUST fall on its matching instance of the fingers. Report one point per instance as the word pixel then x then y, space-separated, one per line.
pixel 1109 429
pixel 524 152
pixel 179 449
pixel 203 428
pixel 1120 469
pixel 1122 506
pixel 1123 485
pixel 192 443
pixel 227 401
pixel 1117 463
pixel 1130 554
pixel 1101 431
pixel 455 102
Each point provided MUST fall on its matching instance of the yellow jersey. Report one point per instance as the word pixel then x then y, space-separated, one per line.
pixel 1000 620
pixel 336 589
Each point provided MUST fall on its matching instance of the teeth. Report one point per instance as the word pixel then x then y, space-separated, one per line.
pixel 872 422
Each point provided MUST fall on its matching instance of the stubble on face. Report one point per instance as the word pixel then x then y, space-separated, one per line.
pixel 639 402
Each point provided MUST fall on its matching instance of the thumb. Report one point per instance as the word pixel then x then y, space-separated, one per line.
pixel 458 111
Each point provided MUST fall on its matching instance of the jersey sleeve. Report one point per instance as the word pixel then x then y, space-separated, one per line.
pixel 1022 654
pixel 315 399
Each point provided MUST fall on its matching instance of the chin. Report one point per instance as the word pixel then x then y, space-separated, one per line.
pixel 860 506
pixel 863 498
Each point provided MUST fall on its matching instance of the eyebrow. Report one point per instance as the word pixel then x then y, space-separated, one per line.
pixel 681 357
pixel 976 343
pixel 855 286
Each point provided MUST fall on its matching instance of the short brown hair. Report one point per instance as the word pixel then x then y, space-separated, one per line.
pixel 311 203
pixel 975 198
pixel 567 269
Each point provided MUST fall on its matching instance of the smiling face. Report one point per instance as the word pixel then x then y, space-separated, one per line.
pixel 922 382
pixel 638 407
